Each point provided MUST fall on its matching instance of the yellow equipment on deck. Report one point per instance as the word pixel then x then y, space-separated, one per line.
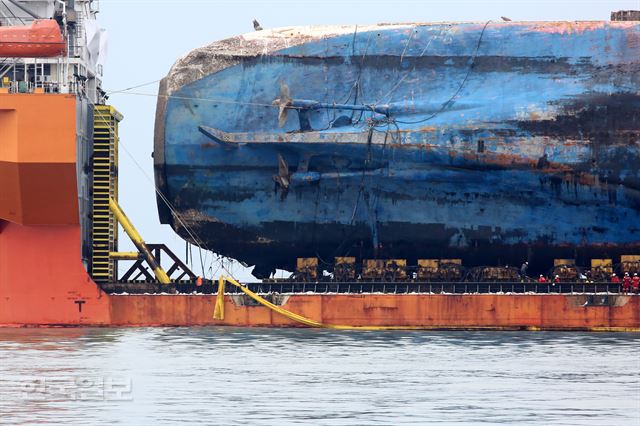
pixel 137 240
pixel 219 311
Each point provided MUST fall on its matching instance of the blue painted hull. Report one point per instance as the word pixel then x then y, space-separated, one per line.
pixel 500 142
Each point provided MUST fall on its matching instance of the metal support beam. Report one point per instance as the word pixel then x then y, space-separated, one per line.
pixel 137 240
pixel 124 255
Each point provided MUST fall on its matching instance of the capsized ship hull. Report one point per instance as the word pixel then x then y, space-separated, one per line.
pixel 491 142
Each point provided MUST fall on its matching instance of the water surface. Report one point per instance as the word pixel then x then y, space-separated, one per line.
pixel 157 376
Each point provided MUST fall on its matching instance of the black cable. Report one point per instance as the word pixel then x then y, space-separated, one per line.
pixel 464 80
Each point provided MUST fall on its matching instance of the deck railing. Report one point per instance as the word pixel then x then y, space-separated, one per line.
pixel 209 287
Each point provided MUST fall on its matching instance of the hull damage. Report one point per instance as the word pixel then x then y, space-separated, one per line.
pixel 487 142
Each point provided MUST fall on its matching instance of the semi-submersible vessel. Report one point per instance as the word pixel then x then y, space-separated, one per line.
pixel 401 170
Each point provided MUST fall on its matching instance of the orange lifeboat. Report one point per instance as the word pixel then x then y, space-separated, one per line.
pixel 41 39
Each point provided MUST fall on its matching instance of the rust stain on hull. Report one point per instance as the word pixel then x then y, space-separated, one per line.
pixel 468 140
pixel 64 295
pixel 416 310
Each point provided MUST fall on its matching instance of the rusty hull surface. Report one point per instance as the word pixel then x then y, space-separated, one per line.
pixel 63 294
pixel 503 141
pixel 415 310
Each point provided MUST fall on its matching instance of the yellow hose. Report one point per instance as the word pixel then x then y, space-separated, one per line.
pixel 218 312
pixel 299 318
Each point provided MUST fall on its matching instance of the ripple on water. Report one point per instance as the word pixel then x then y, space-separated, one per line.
pixel 267 376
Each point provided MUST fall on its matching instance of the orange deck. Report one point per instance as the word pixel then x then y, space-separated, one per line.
pixel 415 310
pixel 42 282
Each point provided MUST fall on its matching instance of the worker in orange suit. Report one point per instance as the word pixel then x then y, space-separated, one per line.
pixel 635 283
pixel 556 280
pixel 626 283
pixel 615 279
pixel 542 279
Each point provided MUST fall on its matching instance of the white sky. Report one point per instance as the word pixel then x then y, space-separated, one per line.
pixel 147 36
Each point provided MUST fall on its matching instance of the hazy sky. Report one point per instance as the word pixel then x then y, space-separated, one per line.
pixel 146 37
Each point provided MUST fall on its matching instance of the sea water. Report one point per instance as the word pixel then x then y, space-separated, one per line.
pixel 163 376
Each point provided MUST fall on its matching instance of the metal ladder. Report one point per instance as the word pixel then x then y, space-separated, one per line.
pixel 104 186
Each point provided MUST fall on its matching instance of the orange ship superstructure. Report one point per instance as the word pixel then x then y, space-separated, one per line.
pixel 49 84
pixel 59 217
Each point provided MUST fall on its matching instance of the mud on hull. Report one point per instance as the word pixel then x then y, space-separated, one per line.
pixel 484 223
pixel 490 142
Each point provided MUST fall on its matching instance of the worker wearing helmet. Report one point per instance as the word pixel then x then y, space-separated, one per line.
pixel 556 280
pixel 635 283
pixel 542 279
pixel 626 283
pixel 523 271
pixel 615 279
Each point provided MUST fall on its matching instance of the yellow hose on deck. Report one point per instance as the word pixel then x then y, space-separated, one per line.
pixel 299 318
pixel 218 312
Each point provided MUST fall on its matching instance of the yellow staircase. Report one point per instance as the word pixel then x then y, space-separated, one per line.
pixel 105 186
